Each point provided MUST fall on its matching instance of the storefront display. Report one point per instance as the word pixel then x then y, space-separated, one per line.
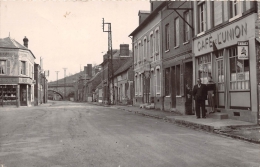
pixel 8 95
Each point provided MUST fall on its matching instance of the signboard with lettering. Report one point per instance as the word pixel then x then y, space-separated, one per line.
pixel 25 81
pixel 229 35
pixel 8 80
pixel 242 50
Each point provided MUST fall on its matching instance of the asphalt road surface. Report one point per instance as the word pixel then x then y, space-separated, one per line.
pixel 83 135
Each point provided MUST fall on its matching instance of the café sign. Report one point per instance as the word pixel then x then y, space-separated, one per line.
pixel 241 30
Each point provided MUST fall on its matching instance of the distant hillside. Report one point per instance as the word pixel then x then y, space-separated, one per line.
pixel 69 79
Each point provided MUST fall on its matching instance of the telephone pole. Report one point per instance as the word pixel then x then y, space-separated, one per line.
pixel 110 62
pixel 64 83
pixel 57 72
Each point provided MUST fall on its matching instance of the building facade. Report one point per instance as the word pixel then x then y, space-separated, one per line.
pixel 16 73
pixel 147 48
pixel 225 47
pixel 177 56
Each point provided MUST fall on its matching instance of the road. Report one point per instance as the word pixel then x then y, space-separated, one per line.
pixel 83 135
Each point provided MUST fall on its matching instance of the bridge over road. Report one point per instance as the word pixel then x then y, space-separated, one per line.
pixel 58 91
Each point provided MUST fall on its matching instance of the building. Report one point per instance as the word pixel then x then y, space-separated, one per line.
pixel 92 85
pixel 118 58
pixel 177 55
pixel 225 47
pixel 147 47
pixel 16 73
pixel 123 79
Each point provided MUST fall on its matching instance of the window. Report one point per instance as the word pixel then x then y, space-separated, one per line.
pixel 157 42
pixel 2 67
pixel 136 89
pixel 220 70
pixel 204 63
pixel 158 86
pixel 179 80
pixel 151 45
pixel 167 37
pixel 202 17
pixel 152 83
pixel 140 84
pixel 218 12
pixel 23 67
pixel 136 54
pixel 239 71
pixel 186 27
pixel 176 32
pixel 140 52
pixel 145 49
pixel 167 82
pixel 234 6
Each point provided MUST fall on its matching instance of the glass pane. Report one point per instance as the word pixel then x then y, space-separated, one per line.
pixel 232 69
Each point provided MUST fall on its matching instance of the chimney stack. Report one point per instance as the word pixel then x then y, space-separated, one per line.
pixel 25 42
pixel 124 49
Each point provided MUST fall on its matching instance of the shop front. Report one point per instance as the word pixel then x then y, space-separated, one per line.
pixel 15 91
pixel 228 54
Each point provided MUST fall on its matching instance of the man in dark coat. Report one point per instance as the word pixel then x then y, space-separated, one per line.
pixel 200 95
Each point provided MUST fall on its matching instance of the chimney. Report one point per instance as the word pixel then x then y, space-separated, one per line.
pixel 143 15
pixel 25 42
pixel 89 66
pixel 124 49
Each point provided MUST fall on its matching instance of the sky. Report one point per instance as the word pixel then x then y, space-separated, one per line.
pixel 69 34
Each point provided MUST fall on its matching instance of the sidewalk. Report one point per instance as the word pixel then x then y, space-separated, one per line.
pixel 227 127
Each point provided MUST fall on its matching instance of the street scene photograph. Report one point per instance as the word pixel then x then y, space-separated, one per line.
pixel 129 83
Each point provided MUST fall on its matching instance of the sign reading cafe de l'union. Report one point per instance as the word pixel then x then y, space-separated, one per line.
pixel 229 35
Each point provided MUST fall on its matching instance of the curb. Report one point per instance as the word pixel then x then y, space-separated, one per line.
pixel 194 126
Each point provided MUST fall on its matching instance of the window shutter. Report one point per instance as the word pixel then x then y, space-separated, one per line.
pixel 8 66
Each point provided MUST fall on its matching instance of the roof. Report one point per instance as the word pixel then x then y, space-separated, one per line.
pixel 127 64
pixel 148 19
pixel 12 44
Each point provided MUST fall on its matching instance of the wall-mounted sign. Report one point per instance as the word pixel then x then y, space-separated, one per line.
pixel 240 76
pixel 242 50
pixel 227 36
pixel 8 80
pixel 25 81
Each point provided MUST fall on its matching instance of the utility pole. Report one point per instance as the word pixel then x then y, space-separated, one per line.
pixel 64 83
pixel 110 61
pixel 57 72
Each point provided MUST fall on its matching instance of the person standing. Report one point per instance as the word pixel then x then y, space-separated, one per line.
pixel 200 95
pixel 211 87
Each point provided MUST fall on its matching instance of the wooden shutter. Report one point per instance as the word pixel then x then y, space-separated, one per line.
pixel 8 67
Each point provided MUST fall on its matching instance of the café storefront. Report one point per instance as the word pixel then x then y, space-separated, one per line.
pixel 16 91
pixel 228 54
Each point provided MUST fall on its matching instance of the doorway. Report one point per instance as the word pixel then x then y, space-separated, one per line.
pixel 23 95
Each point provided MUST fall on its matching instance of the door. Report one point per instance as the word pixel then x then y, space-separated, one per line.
pixel 23 95
pixel 146 89
pixel 173 87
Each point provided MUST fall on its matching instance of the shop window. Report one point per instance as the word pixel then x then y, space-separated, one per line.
pixel 220 70
pixel 179 80
pixel 23 67
pixel 167 82
pixel 202 16
pixel 167 37
pixel 2 66
pixel 204 63
pixel 176 32
pixel 239 71
pixel 186 27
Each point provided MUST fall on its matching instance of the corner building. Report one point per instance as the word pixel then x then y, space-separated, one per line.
pixel 220 28
pixel 16 73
